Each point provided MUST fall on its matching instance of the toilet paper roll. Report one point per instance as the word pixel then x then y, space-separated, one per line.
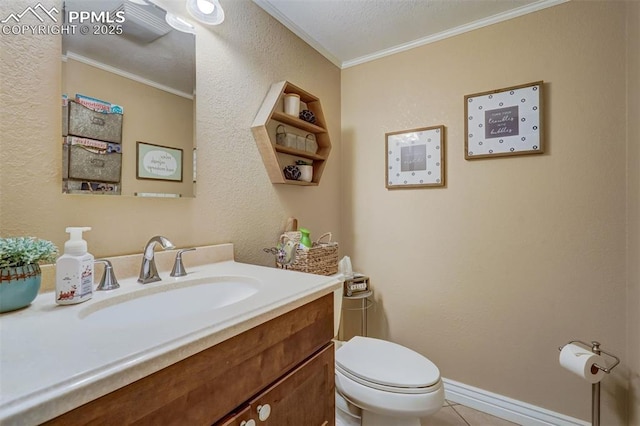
pixel 581 361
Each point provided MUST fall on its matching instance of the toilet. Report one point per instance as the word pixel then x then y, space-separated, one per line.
pixel 383 383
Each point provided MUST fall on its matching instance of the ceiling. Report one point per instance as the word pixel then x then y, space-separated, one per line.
pixel 167 61
pixel 350 32
pixel 347 32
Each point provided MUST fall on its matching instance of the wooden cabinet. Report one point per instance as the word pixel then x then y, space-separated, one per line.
pixel 286 362
pixel 241 417
pixel 265 126
pixel 305 396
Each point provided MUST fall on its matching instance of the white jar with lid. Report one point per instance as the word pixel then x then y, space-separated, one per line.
pixel 292 104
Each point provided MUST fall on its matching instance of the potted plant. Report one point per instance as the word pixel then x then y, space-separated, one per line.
pixel 20 274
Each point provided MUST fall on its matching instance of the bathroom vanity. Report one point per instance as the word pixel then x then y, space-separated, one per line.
pixel 264 355
pixel 289 357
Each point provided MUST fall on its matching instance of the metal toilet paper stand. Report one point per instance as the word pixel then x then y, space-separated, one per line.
pixel 595 387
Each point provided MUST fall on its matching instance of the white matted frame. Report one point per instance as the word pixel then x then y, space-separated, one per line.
pixel 504 122
pixel 157 162
pixel 415 158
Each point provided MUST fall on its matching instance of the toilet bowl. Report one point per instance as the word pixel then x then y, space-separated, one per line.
pixel 388 384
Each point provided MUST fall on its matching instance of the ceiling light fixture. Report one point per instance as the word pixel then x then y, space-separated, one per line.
pixel 142 24
pixel 179 23
pixel 206 11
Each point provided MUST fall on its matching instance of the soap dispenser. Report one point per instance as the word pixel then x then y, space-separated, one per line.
pixel 74 270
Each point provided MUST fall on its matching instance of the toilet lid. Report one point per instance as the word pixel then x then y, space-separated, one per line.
pixel 386 363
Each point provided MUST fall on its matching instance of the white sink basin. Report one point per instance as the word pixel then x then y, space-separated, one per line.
pixel 169 302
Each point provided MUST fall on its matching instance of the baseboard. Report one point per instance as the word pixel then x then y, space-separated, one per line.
pixel 506 408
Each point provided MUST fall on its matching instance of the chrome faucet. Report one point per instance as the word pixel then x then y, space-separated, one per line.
pixel 178 267
pixel 108 280
pixel 148 271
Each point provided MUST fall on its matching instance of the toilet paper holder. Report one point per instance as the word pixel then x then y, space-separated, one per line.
pixel 595 387
pixel 595 348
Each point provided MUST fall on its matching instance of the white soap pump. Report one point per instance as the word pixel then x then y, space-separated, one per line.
pixel 74 270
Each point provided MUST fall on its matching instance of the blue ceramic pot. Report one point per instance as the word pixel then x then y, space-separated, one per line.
pixel 19 286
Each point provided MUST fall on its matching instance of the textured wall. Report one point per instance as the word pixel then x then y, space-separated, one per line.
pixel 236 63
pixel 516 255
pixel 633 208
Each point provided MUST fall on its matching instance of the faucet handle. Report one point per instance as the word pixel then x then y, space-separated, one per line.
pixel 178 267
pixel 108 280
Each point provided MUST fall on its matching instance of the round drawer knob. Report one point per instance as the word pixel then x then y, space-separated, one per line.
pixel 248 423
pixel 264 411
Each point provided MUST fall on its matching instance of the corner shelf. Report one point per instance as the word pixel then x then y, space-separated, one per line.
pixel 277 157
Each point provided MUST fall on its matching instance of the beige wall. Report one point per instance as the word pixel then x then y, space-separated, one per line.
pixel 633 208
pixel 150 115
pixel 236 64
pixel 516 256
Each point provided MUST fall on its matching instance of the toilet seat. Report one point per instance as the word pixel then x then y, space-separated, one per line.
pixel 385 388
pixel 387 403
pixel 386 366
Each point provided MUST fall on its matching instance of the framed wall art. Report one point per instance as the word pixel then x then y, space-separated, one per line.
pixel 158 162
pixel 504 122
pixel 415 158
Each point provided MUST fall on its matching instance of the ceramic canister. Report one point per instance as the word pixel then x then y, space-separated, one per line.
pixel 306 173
pixel 292 104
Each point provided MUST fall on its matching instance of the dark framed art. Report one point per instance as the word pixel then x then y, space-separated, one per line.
pixel 504 122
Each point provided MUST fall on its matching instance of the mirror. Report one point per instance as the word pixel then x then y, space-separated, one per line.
pixel 128 116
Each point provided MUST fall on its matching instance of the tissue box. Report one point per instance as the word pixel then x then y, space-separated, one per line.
pixel 357 284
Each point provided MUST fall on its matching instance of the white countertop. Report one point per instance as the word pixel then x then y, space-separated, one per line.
pixel 52 361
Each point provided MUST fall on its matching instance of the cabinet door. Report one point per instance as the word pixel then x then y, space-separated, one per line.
pixel 305 396
pixel 241 418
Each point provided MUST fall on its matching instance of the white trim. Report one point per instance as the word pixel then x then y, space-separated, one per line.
pixel 506 408
pixel 125 74
pixel 514 13
pixel 284 20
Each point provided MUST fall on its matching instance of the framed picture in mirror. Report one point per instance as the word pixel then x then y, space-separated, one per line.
pixel 158 162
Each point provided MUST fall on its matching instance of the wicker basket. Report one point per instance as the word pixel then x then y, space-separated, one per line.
pixel 321 258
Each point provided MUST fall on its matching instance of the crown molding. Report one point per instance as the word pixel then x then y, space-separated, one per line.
pixel 514 13
pixel 125 74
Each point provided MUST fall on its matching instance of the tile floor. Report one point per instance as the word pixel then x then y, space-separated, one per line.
pixel 454 414
pixel 451 414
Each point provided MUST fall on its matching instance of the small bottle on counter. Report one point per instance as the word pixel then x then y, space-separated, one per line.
pixel 305 240
pixel 74 270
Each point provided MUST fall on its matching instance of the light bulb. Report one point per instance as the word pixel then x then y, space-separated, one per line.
pixel 206 11
pixel 205 6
